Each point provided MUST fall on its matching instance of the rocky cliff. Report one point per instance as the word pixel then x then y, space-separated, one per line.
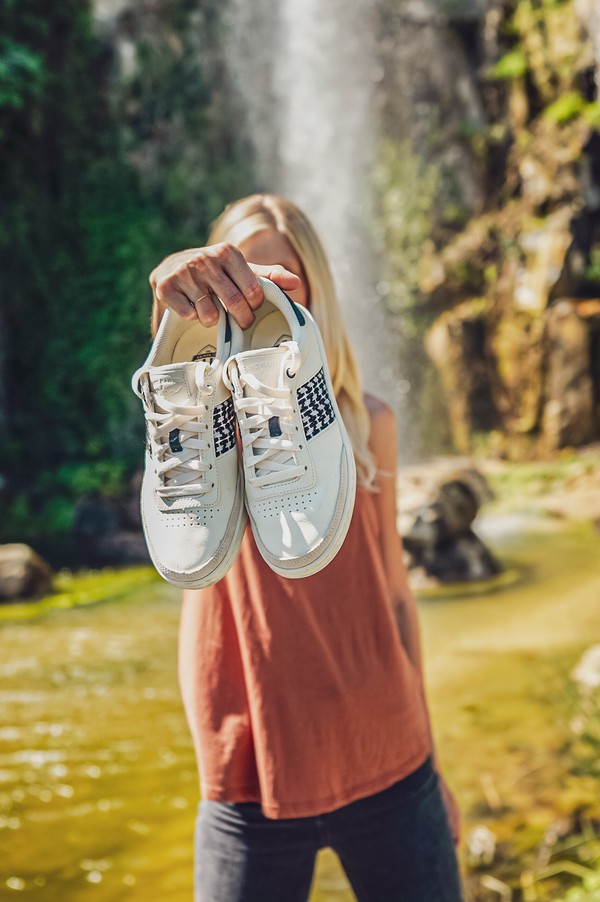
pixel 489 127
pixel 487 182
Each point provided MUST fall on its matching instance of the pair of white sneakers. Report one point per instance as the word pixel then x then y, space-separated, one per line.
pixel 295 478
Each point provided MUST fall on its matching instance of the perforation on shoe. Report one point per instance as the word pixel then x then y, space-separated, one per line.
pixel 275 506
pixel 202 518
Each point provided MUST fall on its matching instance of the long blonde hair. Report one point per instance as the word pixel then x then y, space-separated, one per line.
pixel 249 215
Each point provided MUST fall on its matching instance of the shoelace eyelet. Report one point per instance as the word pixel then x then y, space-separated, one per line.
pixel 290 375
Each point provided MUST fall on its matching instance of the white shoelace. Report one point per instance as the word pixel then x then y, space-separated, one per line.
pixel 269 440
pixel 184 467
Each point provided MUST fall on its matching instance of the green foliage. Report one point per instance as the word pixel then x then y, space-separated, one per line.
pixel 80 231
pixel 21 74
pixel 568 106
pixel 591 114
pixel 405 187
pixel 84 588
pixel 592 271
pixel 512 65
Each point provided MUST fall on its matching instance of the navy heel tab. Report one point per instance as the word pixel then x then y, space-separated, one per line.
pixel 297 310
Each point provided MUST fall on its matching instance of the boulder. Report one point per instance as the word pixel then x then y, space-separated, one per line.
pixel 438 503
pixel 439 500
pixel 457 560
pixel 23 573
pixel 446 516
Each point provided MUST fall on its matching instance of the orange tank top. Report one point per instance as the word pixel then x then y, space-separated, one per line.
pixel 298 692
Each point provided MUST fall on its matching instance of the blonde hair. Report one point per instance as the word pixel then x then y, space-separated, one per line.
pixel 249 215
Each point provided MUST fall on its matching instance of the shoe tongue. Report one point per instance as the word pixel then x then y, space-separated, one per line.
pixel 174 381
pixel 265 365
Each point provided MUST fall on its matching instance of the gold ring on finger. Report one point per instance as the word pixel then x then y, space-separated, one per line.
pixel 193 303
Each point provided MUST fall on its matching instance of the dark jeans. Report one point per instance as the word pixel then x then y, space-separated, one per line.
pixel 395 846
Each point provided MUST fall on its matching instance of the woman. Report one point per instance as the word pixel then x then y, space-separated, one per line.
pixel 305 697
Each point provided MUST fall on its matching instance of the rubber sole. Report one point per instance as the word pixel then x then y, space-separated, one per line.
pixel 338 539
pixel 220 570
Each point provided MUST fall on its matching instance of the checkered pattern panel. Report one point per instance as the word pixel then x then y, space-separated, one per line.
pixel 315 405
pixel 224 427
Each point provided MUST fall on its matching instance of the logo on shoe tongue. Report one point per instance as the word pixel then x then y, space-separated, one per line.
pixel 208 354
pixel 161 381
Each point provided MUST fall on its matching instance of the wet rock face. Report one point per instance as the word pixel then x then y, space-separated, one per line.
pixel 428 88
pixel 568 416
pixel 457 343
pixel 23 573
pixel 548 157
pixel 588 12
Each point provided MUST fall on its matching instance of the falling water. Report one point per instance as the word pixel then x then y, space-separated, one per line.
pixel 304 71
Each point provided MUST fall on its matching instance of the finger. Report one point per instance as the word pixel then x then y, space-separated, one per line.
pixel 168 294
pixel 199 296
pixel 206 308
pixel 208 269
pixel 234 264
pixel 232 298
pixel 246 281
pixel 286 280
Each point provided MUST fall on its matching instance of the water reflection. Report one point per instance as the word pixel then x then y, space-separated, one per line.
pixel 98 781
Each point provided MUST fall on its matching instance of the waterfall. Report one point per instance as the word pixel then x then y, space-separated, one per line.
pixel 305 72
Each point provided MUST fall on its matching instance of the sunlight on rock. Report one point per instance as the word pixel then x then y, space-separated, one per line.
pixel 587 670
pixel 481 845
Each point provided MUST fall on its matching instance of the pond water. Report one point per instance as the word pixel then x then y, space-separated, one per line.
pixel 98 781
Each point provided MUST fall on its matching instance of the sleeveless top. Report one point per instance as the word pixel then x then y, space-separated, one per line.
pixel 299 693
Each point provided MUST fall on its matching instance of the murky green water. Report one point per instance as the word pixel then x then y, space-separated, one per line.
pixel 98 785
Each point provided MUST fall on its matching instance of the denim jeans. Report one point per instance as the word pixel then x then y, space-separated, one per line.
pixel 395 846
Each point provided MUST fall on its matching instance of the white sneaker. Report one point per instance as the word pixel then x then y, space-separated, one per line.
pixel 299 470
pixel 192 499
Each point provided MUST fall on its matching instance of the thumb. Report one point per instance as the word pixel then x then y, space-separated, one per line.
pixel 282 277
